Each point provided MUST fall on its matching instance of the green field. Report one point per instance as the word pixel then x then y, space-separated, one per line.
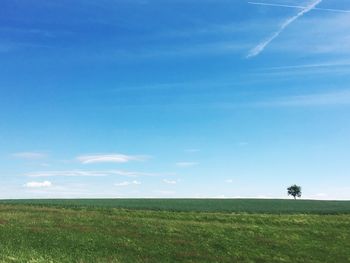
pixel 275 206
pixel 173 230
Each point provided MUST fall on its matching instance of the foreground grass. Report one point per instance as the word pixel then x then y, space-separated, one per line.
pixel 57 234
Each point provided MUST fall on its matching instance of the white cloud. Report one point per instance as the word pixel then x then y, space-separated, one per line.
pixel 261 46
pixel 229 181
pixel 126 183
pixel 85 173
pixel 38 184
pixel 30 155
pixel 186 164
pixel 110 158
pixel 170 181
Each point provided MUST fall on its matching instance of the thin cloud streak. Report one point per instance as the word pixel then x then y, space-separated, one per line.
pixel 337 98
pixel 29 155
pixel 316 65
pixel 110 158
pixel 128 183
pixel 85 173
pixel 72 173
pixel 299 7
pixel 261 46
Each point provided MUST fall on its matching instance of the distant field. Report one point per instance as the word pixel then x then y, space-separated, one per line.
pixel 152 231
pixel 201 205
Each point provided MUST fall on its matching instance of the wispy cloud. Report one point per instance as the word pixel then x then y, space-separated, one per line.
pixel 126 183
pixel 299 7
pixel 85 173
pixel 333 66
pixel 38 184
pixel 306 38
pixel 170 181
pixel 186 164
pixel 229 181
pixel 315 65
pixel 341 97
pixel 110 158
pixel 261 46
pixel 29 155
pixel 71 173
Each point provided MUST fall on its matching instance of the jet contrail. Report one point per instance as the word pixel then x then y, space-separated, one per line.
pixel 300 7
pixel 260 47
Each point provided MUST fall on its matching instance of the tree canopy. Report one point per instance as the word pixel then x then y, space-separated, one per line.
pixel 294 191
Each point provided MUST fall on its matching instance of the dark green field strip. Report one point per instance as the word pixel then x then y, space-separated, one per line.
pixel 49 234
pixel 273 206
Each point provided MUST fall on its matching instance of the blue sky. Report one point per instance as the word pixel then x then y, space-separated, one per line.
pixel 150 98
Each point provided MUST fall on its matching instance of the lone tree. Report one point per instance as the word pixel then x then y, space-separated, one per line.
pixel 294 191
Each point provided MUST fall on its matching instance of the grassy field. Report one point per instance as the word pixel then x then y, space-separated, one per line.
pixel 200 205
pixel 174 231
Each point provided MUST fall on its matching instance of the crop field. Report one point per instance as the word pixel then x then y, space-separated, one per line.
pixel 173 230
pixel 275 206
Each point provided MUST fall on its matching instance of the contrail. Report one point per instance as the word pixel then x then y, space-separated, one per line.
pixel 300 7
pixel 259 48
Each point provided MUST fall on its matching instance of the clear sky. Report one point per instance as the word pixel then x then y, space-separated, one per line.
pixel 174 98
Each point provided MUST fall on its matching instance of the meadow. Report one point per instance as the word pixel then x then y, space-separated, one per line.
pixel 174 230
pixel 275 206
